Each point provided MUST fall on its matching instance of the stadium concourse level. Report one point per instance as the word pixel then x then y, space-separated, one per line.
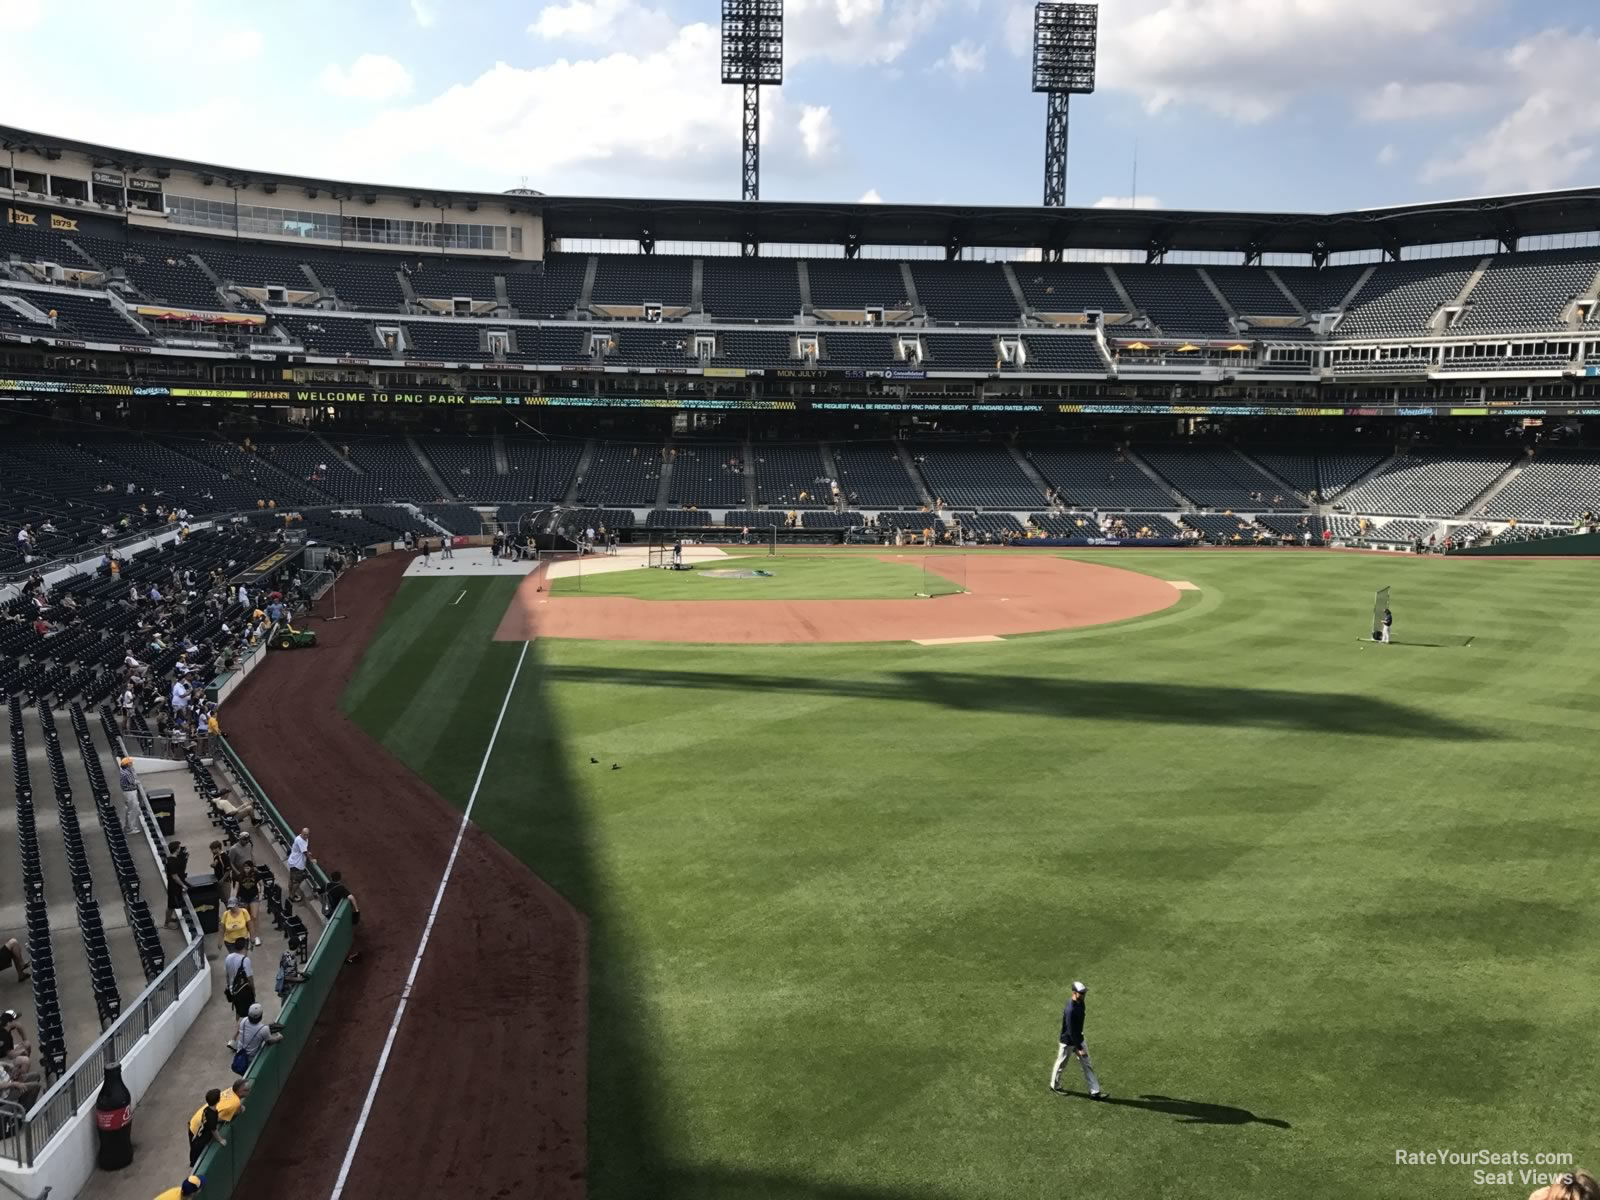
pixel 108 282
pixel 68 495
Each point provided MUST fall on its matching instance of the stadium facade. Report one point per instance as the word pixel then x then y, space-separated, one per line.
pixel 190 281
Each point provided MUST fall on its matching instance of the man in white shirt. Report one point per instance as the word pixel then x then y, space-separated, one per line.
pixel 180 697
pixel 244 597
pixel 298 857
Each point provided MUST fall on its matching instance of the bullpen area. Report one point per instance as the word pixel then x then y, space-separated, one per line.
pixel 798 920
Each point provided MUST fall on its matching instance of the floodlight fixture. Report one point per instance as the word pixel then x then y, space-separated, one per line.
pixel 752 57
pixel 1064 43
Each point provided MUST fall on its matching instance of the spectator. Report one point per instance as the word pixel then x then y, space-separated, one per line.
pixel 239 980
pixel 235 926
pixel 11 956
pixel 233 1100
pixel 19 1086
pixel 247 891
pixel 177 870
pixel 1574 1185
pixel 222 868
pixel 205 1127
pixel 190 1186
pixel 289 977
pixel 129 783
pixel 254 1034
pixel 334 893
pixel 15 1048
pixel 298 853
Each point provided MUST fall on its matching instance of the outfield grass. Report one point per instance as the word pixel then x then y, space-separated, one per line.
pixel 833 577
pixel 837 893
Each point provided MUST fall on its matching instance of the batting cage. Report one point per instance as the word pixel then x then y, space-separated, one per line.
pixel 666 552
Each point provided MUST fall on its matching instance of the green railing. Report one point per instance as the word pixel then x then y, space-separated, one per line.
pixel 223 1166
pixel 1552 547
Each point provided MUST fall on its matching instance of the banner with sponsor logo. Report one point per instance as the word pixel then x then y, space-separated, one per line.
pixel 203 318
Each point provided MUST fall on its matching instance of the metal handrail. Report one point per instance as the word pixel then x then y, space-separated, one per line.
pixel 83 1078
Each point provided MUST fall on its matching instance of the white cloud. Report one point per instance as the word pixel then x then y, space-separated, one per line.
pixel 423 12
pixel 818 134
pixel 237 45
pixel 1247 59
pixel 614 24
pixel 18 16
pixel 370 77
pixel 1122 202
pixel 965 57
pixel 870 196
pixel 1550 131
pixel 1426 101
pixel 1388 155
pixel 854 32
pixel 517 121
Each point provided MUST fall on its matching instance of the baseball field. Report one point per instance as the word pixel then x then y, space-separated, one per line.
pixel 1333 900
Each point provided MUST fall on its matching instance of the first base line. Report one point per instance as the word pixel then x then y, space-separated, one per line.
pixel 422 948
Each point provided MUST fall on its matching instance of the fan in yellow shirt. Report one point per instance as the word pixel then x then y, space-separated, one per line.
pixel 189 1187
pixel 232 1102
pixel 235 924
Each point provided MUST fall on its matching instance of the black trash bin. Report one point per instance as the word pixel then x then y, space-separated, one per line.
pixel 113 1121
pixel 165 807
pixel 207 900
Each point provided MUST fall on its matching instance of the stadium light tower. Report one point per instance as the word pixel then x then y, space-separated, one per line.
pixel 752 55
pixel 1064 37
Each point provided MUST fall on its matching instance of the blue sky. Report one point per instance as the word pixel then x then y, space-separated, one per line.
pixel 1256 104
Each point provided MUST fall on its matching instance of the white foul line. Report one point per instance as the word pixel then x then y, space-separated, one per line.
pixel 458 599
pixel 422 948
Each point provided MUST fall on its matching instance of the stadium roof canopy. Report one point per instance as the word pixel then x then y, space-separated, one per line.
pixel 1155 232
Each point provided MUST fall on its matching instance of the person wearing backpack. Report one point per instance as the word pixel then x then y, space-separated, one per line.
pixel 239 981
pixel 254 1035
pixel 289 977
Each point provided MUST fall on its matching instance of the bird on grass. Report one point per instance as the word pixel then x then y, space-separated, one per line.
pixel 593 760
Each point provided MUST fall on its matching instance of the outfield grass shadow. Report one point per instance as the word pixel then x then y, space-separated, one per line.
pixel 1191 1112
pixel 1082 699
pixel 628 1153
pixel 554 834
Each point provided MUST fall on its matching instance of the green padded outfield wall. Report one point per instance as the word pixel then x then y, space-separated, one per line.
pixel 1576 544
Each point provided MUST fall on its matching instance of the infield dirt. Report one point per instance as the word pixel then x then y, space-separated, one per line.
pixel 1007 593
